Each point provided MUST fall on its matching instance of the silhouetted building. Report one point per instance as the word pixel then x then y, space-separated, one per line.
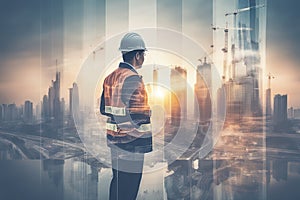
pixel 297 113
pixel 51 101
pixel 268 102
pixel 12 112
pixel 1 113
pixel 290 113
pixel 54 104
pixel 62 107
pixel 45 108
pixel 56 101
pixel 4 112
pixel 74 100
pixel 70 100
pixel 179 95
pixel 280 108
pixel 202 92
pixel 28 112
pixel 38 112
pixel 249 40
pixel 20 111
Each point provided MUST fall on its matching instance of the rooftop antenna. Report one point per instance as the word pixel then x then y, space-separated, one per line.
pixel 56 65
pixel 270 76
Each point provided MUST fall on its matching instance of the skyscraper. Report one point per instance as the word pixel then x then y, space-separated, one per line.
pixel 74 100
pixel 202 92
pixel 70 100
pixel 54 106
pixel 280 109
pixel 62 107
pixel 56 100
pixel 4 112
pixel 249 45
pixel 45 108
pixel 28 112
pixel 268 102
pixel 12 112
pixel 179 95
pixel 1 113
pixel 244 84
pixel 38 111
pixel 50 101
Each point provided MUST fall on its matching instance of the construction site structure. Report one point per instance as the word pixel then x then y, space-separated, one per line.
pixel 242 75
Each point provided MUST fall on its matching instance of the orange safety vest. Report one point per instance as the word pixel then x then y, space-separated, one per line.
pixel 122 125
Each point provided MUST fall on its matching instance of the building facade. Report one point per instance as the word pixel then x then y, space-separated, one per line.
pixel 280 109
pixel 179 95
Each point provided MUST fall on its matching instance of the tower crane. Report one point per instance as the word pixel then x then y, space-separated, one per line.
pixel 98 49
pixel 234 13
pixel 225 48
pixel 207 54
pixel 244 9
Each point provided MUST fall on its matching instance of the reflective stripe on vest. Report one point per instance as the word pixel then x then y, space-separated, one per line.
pixel 118 111
pixel 121 111
pixel 145 128
pixel 112 127
pixel 142 128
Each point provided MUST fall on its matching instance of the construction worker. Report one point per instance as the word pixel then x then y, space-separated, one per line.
pixel 124 100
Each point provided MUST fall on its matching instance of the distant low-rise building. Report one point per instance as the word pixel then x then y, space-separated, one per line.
pixel 11 112
pixel 290 113
pixel 297 113
pixel 1 113
pixel 280 108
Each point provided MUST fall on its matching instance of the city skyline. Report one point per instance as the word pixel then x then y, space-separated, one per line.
pixel 51 105
pixel 18 65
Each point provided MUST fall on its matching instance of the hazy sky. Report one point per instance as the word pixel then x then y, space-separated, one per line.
pixel 283 52
pixel 28 29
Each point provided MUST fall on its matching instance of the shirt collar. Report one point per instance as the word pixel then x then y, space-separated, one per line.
pixel 128 66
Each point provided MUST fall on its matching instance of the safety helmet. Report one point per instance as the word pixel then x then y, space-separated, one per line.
pixel 132 41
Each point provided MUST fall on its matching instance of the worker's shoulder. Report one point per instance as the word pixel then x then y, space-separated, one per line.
pixel 123 74
pixel 126 71
pixel 133 78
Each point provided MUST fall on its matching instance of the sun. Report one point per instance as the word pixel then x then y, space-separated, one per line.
pixel 159 93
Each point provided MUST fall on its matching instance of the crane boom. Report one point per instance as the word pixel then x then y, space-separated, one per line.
pixel 244 9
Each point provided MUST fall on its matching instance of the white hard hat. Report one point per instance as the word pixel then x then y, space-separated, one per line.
pixel 132 41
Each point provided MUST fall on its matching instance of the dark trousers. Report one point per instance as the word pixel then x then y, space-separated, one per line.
pixel 127 174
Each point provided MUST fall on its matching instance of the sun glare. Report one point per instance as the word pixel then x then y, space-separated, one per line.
pixel 159 93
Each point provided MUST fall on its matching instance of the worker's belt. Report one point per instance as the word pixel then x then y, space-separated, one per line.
pixel 121 111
